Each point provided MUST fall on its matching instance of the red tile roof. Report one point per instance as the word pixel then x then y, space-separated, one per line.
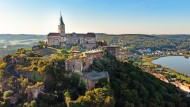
pixel 187 85
pixel 54 34
pixel 158 75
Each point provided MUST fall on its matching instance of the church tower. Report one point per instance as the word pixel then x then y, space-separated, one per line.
pixel 61 26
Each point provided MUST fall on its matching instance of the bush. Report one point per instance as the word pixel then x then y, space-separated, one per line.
pixel 33 103
pixel 7 94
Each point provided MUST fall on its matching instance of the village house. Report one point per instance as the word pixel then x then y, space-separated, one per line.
pixel 86 41
pixel 183 86
pixel 91 78
pixel 161 77
pixel 114 49
pixel 176 83
pixel 159 70
pixel 186 85
pixel 74 65
pixel 34 90
pixel 54 39
pixel 63 40
pixel 80 64
pixel 91 55
pixel 96 53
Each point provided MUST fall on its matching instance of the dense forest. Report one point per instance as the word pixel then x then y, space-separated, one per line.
pixel 154 42
pixel 134 88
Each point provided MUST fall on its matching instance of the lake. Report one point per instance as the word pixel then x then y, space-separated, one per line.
pixel 177 63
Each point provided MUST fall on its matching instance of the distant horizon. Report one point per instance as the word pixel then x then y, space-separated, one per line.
pixel 109 16
pixel 91 32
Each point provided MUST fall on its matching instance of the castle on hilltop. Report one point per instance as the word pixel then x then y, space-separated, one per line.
pixel 63 40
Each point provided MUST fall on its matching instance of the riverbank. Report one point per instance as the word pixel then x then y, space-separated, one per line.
pixel 147 62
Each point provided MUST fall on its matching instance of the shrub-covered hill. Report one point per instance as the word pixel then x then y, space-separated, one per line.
pixel 154 42
pixel 134 88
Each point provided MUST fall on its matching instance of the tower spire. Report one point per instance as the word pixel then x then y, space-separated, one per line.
pixel 61 26
pixel 61 19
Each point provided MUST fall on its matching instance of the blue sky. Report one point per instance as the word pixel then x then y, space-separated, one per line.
pixel 101 16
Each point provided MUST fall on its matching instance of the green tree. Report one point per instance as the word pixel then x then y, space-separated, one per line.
pixel 82 87
pixel 24 83
pixel 102 82
pixel 75 78
pixel 99 97
pixel 33 103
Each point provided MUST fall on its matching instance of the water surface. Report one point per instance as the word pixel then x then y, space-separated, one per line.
pixel 177 63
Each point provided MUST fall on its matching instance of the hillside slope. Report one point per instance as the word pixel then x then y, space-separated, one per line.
pixel 133 87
